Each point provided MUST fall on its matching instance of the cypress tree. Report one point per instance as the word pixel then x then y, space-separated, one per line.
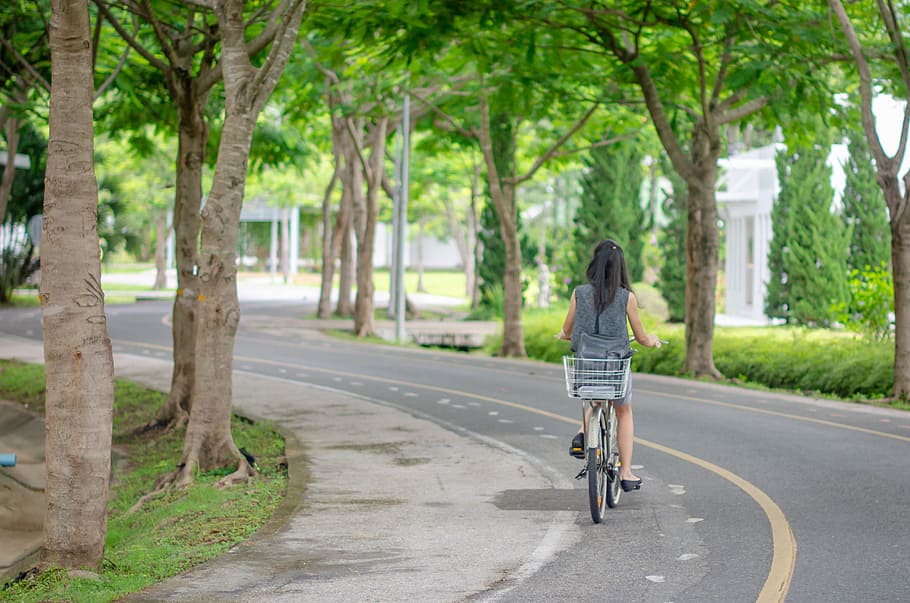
pixel 814 252
pixel 610 208
pixel 864 208
pixel 777 295
pixel 671 279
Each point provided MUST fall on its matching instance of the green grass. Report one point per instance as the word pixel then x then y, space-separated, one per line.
pixel 24 298
pixel 127 267
pixel 172 533
pixel 436 282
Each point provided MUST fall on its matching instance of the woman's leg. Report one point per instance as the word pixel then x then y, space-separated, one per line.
pixel 626 436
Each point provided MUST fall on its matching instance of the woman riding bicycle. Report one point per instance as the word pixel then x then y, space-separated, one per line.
pixel 609 295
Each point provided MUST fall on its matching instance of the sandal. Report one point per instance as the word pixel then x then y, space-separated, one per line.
pixel 577 449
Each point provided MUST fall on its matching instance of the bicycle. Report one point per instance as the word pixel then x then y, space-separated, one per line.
pixel 599 383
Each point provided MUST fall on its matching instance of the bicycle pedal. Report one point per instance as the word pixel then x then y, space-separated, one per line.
pixel 582 473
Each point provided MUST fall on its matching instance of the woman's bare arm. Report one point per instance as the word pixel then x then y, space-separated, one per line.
pixel 569 322
pixel 638 329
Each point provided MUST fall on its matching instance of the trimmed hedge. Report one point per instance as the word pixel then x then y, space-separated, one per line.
pixel 831 363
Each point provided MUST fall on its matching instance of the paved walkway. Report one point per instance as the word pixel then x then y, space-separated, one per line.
pixel 398 516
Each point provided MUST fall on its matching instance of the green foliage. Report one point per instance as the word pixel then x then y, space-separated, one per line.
pixel 23 383
pixel 173 532
pixel 789 358
pixel 671 280
pixel 808 252
pixel 871 307
pixel 806 361
pixel 610 209
pixel 864 208
pixel 17 260
pixel 27 194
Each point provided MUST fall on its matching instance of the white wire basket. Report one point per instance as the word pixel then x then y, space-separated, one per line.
pixel 597 379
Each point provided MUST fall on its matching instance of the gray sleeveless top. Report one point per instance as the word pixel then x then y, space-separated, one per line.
pixel 612 319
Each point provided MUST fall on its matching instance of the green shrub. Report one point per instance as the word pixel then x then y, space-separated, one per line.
pixel 871 306
pixel 789 358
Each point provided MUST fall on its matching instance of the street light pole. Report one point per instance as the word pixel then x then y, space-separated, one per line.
pixel 400 294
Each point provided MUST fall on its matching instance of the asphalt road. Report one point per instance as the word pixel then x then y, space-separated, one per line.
pixel 746 494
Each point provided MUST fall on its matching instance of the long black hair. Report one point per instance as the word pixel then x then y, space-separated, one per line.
pixel 607 273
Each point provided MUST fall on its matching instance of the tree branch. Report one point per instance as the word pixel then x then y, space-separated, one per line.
pixel 467 133
pixel 268 34
pixel 209 4
pixel 680 161
pixel 722 72
pixel 267 76
pixel 865 87
pixel 126 53
pixel 130 39
pixel 164 40
pixel 329 74
pixel 601 143
pixel 900 55
pixel 555 147
pixel 702 73
pixel 742 111
pixel 29 69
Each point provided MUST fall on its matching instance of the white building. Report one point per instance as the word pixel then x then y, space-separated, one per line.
pixel 747 187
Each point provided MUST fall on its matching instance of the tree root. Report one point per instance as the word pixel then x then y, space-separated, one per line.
pixel 161 426
pixel 242 475
pixel 185 475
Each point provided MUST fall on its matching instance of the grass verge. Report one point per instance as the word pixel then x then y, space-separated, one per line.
pixel 172 533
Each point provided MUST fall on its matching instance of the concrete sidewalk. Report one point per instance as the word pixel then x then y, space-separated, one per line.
pixel 387 507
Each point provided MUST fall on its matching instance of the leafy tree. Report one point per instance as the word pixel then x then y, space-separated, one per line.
pixel 699 67
pixel 610 208
pixel 812 240
pixel 671 280
pixel 864 208
pixel 886 27
pixel 777 295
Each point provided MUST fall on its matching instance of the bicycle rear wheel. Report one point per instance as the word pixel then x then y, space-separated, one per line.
pixel 598 494
pixel 612 463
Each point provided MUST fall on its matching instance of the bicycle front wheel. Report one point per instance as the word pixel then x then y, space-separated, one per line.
pixel 598 494
pixel 611 445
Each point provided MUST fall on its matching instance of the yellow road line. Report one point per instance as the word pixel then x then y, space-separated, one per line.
pixel 783 556
pixel 775 413
pixel 884 434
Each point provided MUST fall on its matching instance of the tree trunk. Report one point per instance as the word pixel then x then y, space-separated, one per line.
pixel 365 229
pixel 79 365
pixel 463 243
pixel 9 171
pixel 208 443
pixel 161 229
pixel 354 206
pixel 331 236
pixel 513 344
pixel 702 249
pixel 346 258
pixel 900 266
pixel 474 239
pixel 192 139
